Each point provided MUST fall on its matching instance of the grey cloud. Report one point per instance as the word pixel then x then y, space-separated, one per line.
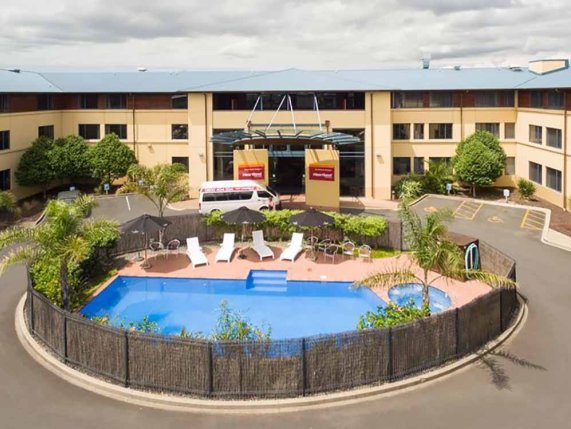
pixel 441 7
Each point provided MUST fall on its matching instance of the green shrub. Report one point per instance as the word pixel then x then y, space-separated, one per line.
pixel 525 188
pixel 410 190
pixel 439 173
pixel 407 179
pixel 356 227
pixel 391 315
pixel 234 326
pixel 278 223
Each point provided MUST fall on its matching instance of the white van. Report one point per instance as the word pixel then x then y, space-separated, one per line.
pixel 227 195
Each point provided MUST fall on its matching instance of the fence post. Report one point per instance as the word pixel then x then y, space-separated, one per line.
pixel 457 329
pixel 65 336
pixel 210 381
pixel 303 368
pixel 31 305
pixel 390 366
pixel 126 358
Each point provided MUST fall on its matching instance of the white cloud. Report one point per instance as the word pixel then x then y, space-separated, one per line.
pixel 271 34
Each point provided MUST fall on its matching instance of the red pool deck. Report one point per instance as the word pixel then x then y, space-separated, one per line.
pixel 343 269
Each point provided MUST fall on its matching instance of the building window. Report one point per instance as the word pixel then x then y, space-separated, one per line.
pixel 535 134
pixel 46 131
pixel 179 101
pixel 440 131
pixel 4 140
pixel 4 103
pixel 486 99
pixel 179 131
pixel 555 100
pixel 440 160
pixel 117 101
pixel 553 179
pixel 441 99
pixel 535 172
pixel 89 131
pixel 45 102
pixel 509 168
pixel 419 131
pixel 401 166
pixel 118 129
pixel 509 130
pixel 536 99
pixel 418 165
pixel 5 182
pixel 401 131
pixel 553 137
pixel 491 127
pixel 88 101
pixel 181 160
pixel 407 100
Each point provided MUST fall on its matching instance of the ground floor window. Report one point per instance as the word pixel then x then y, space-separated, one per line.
pixel 46 131
pixel 120 130
pixel 440 160
pixel 401 166
pixel 535 172
pixel 89 131
pixel 553 179
pixel 5 182
pixel 352 165
pixel 509 169
pixel 181 160
pixel 418 165
pixel 491 127
pixel 223 157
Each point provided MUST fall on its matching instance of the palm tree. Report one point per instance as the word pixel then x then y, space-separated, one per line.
pixel 8 202
pixel 161 184
pixel 430 251
pixel 64 238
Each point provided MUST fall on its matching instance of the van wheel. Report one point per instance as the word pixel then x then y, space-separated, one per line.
pixel 214 211
pixel 263 209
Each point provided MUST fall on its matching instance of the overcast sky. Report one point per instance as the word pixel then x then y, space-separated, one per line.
pixel 275 34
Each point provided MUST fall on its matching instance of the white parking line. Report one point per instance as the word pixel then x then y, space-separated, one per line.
pixel 128 205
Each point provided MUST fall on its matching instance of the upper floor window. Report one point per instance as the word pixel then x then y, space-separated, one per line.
pixel 299 100
pixel 88 101
pixel 440 131
pixel 509 130
pixel 401 131
pixel 179 101
pixel 491 127
pixel 120 130
pixel 117 101
pixel 179 131
pixel 401 166
pixel 536 99
pixel 555 100
pixel 494 99
pixel 509 168
pixel 89 131
pixel 553 137
pixel 4 140
pixel 45 102
pixel 535 172
pixel 5 180
pixel 46 131
pixel 553 179
pixel 440 99
pixel 181 160
pixel 407 99
pixel 535 134
pixel 4 103
pixel 418 131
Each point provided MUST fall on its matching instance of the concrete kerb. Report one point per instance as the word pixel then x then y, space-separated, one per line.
pixel 185 404
pixel 545 232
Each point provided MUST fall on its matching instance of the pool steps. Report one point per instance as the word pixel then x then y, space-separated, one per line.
pixel 267 281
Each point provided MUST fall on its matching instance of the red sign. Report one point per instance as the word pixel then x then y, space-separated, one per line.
pixel 251 172
pixel 322 172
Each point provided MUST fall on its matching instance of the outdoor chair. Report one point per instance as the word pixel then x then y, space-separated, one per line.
pixel 348 249
pixel 157 248
pixel 323 244
pixel 173 246
pixel 365 252
pixel 260 247
pixel 312 241
pixel 194 252
pixel 330 252
pixel 294 248
pixel 226 248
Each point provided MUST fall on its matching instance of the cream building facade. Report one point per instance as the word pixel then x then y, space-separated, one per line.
pixel 402 118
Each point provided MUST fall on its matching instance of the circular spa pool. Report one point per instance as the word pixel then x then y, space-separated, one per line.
pixel 404 293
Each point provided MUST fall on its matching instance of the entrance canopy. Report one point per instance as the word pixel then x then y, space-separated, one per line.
pixel 282 137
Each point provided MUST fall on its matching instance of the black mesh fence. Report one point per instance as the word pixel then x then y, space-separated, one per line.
pixel 48 323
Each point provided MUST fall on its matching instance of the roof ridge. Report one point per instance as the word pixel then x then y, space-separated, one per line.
pixel 234 80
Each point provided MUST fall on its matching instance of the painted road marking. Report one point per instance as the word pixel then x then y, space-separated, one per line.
pixel 430 209
pixel 128 205
pixel 533 219
pixel 495 219
pixel 467 210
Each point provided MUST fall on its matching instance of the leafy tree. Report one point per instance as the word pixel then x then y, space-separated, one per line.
pixel 439 173
pixel 69 157
pixel 391 315
pixel 479 160
pixel 162 184
pixel 8 202
pixel 35 168
pixel 62 242
pixel 110 159
pixel 430 251
pixel 525 188
pixel 410 190
pixel 232 325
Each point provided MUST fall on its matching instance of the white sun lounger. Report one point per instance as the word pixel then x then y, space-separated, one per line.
pixel 226 249
pixel 260 246
pixel 294 248
pixel 194 252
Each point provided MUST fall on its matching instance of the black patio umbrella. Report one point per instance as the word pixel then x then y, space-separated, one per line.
pixel 144 225
pixel 312 218
pixel 243 216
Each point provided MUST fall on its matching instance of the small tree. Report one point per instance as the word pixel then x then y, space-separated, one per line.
pixel 439 173
pixel 8 202
pixel 479 160
pixel 69 158
pixel 110 159
pixel 35 168
pixel 525 188
pixel 162 184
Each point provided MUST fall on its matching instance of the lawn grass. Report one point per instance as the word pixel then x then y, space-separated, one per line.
pixel 384 253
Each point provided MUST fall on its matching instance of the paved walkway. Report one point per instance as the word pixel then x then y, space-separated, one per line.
pixel 510 390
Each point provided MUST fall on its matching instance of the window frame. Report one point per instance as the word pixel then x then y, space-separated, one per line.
pixel 406 163
pixel 186 163
pixel 5 140
pixel 177 128
pixel 420 170
pixel 558 135
pixel 117 101
pixel 558 179
pixel 533 134
pixel 4 103
pixel 446 125
pixel 509 170
pixel 45 102
pixel 183 105
pixel 398 133
pixel 512 134
pixel 489 126
pixel 539 168
pixel 49 135
pixel 416 127
pixel 122 127
pixel 88 101
pixel 6 178
pixel 91 126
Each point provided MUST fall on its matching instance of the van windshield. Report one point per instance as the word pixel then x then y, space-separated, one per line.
pixel 271 190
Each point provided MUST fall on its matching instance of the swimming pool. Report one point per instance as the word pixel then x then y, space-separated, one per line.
pixel 291 308
pixel 402 294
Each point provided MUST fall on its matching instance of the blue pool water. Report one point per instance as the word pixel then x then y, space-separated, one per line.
pixel 402 294
pixel 291 308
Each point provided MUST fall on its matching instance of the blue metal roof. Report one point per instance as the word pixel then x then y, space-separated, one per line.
pixel 282 80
